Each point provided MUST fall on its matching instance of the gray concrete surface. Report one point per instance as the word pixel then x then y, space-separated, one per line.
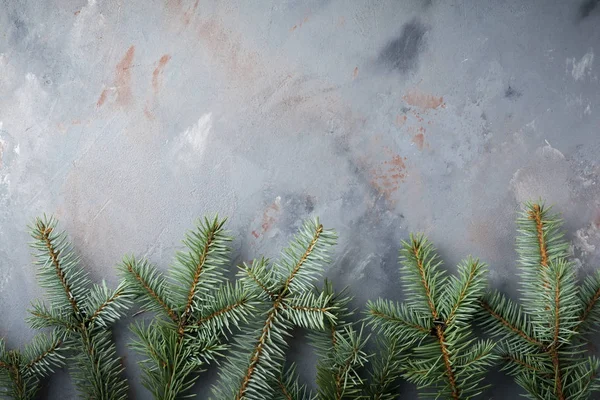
pixel 129 119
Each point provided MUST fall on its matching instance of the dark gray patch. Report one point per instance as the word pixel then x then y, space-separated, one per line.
pixel 512 93
pixel 587 7
pixel 309 204
pixel 19 31
pixel 405 109
pixel 402 53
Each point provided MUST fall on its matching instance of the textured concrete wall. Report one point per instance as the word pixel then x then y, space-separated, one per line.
pixel 129 119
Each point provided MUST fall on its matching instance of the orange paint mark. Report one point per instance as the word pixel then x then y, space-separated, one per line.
pixel 387 177
pixel 299 25
pixel 597 219
pixel 122 81
pixel 102 98
pixel 419 140
pixel 355 73
pixel 149 114
pixel 158 71
pixel 187 16
pixel 401 119
pixel 269 218
pixel 123 78
pixel 415 97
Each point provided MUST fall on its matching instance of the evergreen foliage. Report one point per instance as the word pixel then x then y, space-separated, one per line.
pixel 432 327
pixel 21 372
pixel 80 314
pixel 195 308
pixel 340 350
pixel 543 339
pixel 287 299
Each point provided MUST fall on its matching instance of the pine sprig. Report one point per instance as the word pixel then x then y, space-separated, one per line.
pixel 289 388
pixel 258 357
pixel 542 342
pixel 195 310
pixel 21 373
pixel 80 313
pixel 387 368
pixel 432 326
pixel 340 349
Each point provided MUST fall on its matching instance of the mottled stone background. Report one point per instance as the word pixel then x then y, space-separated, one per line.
pixel 129 119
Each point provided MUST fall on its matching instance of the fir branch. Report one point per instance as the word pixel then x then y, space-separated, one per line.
pixel 505 320
pixel 447 363
pixel 207 253
pixel 535 214
pixel 104 306
pixel 590 294
pixel 464 291
pixel 54 250
pixel 270 321
pixel 146 282
pixel 386 370
pixel 416 247
pixel 46 317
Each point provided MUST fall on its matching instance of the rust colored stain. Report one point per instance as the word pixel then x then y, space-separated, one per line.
pixel 387 177
pixel 227 50
pixel 415 97
pixel 122 81
pixel 400 119
pixel 419 140
pixel 102 98
pixel 293 28
pixel 149 114
pixel 355 73
pixel 158 71
pixel 269 217
pixel 187 16
pixel 76 13
pixel 597 219
pixel 123 78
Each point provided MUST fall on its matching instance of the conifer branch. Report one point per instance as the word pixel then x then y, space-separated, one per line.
pixel 447 363
pixel 130 267
pixel 43 233
pixel 464 292
pixel 496 315
pixel 259 283
pixel 416 249
pixel 535 214
pixel 198 272
pixel 555 342
pixel 256 355
pixel 589 306
pixel 47 353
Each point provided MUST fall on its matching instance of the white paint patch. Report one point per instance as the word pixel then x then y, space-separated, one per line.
pixel 190 145
pixel 17 149
pixel 581 68
pixel 545 176
pixel 197 134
